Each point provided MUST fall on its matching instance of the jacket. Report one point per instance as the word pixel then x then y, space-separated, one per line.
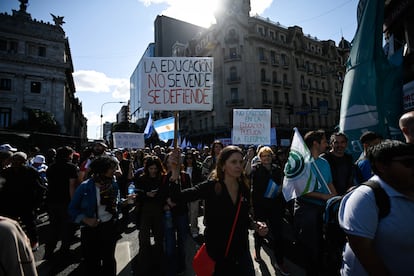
pixel 84 202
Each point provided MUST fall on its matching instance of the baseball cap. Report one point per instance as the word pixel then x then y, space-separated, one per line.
pixel 7 147
pixel 39 159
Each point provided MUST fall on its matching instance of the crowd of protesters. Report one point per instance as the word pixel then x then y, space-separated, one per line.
pixel 91 189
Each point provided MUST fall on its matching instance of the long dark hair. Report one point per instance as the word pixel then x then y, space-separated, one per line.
pixel 153 160
pixel 218 174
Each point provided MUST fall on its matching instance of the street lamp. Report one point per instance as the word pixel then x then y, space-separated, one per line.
pixel 102 114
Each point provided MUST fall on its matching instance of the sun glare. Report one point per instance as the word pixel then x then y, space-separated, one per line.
pixel 200 12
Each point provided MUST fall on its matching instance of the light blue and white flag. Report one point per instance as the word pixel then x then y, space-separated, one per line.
pixel 299 178
pixel 149 129
pixel 165 128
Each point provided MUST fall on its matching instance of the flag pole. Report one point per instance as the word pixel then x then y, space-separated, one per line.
pixel 176 126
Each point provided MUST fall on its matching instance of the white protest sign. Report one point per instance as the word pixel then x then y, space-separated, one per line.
pixel 177 83
pixel 251 126
pixel 129 140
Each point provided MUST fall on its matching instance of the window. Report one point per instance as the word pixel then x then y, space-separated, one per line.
pixel 233 52
pixel 234 94
pixel 263 75
pixel 277 119
pixel 304 102
pixel 276 96
pixel 323 86
pixel 283 38
pixel 274 77
pixel 5 117
pixel 233 73
pixel 272 35
pixel 286 98
pixel 273 57
pixel 261 31
pixel 3 45
pixel 35 87
pixel 284 60
pixel 264 96
pixel 261 53
pixel 13 46
pixel 5 84
pixel 285 79
pixel 316 84
pixel 302 80
pixel 42 51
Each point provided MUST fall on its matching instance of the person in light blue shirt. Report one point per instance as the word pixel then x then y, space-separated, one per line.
pixel 381 246
pixel 308 209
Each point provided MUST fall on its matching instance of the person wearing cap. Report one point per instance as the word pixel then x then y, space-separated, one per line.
pixel 98 149
pixel 38 162
pixel 364 171
pixel 7 147
pixel 21 194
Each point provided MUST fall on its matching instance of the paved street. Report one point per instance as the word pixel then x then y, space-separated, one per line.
pixel 127 249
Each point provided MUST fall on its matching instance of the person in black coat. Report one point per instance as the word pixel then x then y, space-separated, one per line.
pixel 268 204
pixel 227 187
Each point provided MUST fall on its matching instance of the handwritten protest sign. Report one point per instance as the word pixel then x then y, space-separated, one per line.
pixel 177 83
pixel 129 140
pixel 251 126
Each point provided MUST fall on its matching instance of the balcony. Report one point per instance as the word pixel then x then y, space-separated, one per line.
pixel 267 103
pixel 276 83
pixel 263 60
pixel 233 80
pixel 277 103
pixel 287 84
pixel 233 57
pixel 274 62
pixel 304 86
pixel 265 81
pixel 235 102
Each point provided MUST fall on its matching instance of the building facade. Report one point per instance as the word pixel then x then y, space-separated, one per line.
pixel 262 64
pixel 36 74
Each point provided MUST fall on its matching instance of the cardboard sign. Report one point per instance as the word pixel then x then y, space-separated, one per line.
pixel 251 126
pixel 130 140
pixel 177 83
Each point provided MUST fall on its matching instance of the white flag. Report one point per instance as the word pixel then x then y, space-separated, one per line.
pixel 299 178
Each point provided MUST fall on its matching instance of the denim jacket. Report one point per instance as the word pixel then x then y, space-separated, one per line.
pixel 84 202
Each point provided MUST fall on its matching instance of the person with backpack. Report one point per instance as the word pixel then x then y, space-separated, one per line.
pixel 377 243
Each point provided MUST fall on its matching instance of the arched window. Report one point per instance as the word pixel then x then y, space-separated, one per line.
pixel 233 73
pixel 263 75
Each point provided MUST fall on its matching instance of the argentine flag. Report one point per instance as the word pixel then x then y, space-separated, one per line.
pixel 299 178
pixel 165 128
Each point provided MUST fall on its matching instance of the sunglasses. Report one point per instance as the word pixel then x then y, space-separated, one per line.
pixel 406 162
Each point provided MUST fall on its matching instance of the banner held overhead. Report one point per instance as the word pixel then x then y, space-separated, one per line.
pixel 177 83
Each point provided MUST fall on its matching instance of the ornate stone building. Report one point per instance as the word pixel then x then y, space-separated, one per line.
pixel 263 64
pixel 36 74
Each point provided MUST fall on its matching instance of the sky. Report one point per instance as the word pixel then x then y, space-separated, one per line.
pixel 108 37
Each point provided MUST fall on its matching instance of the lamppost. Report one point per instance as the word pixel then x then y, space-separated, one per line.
pixel 102 114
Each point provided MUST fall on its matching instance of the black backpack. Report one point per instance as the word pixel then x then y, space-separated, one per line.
pixel 334 236
pixel 381 198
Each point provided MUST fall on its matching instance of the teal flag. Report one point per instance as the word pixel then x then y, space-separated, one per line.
pixel 372 90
